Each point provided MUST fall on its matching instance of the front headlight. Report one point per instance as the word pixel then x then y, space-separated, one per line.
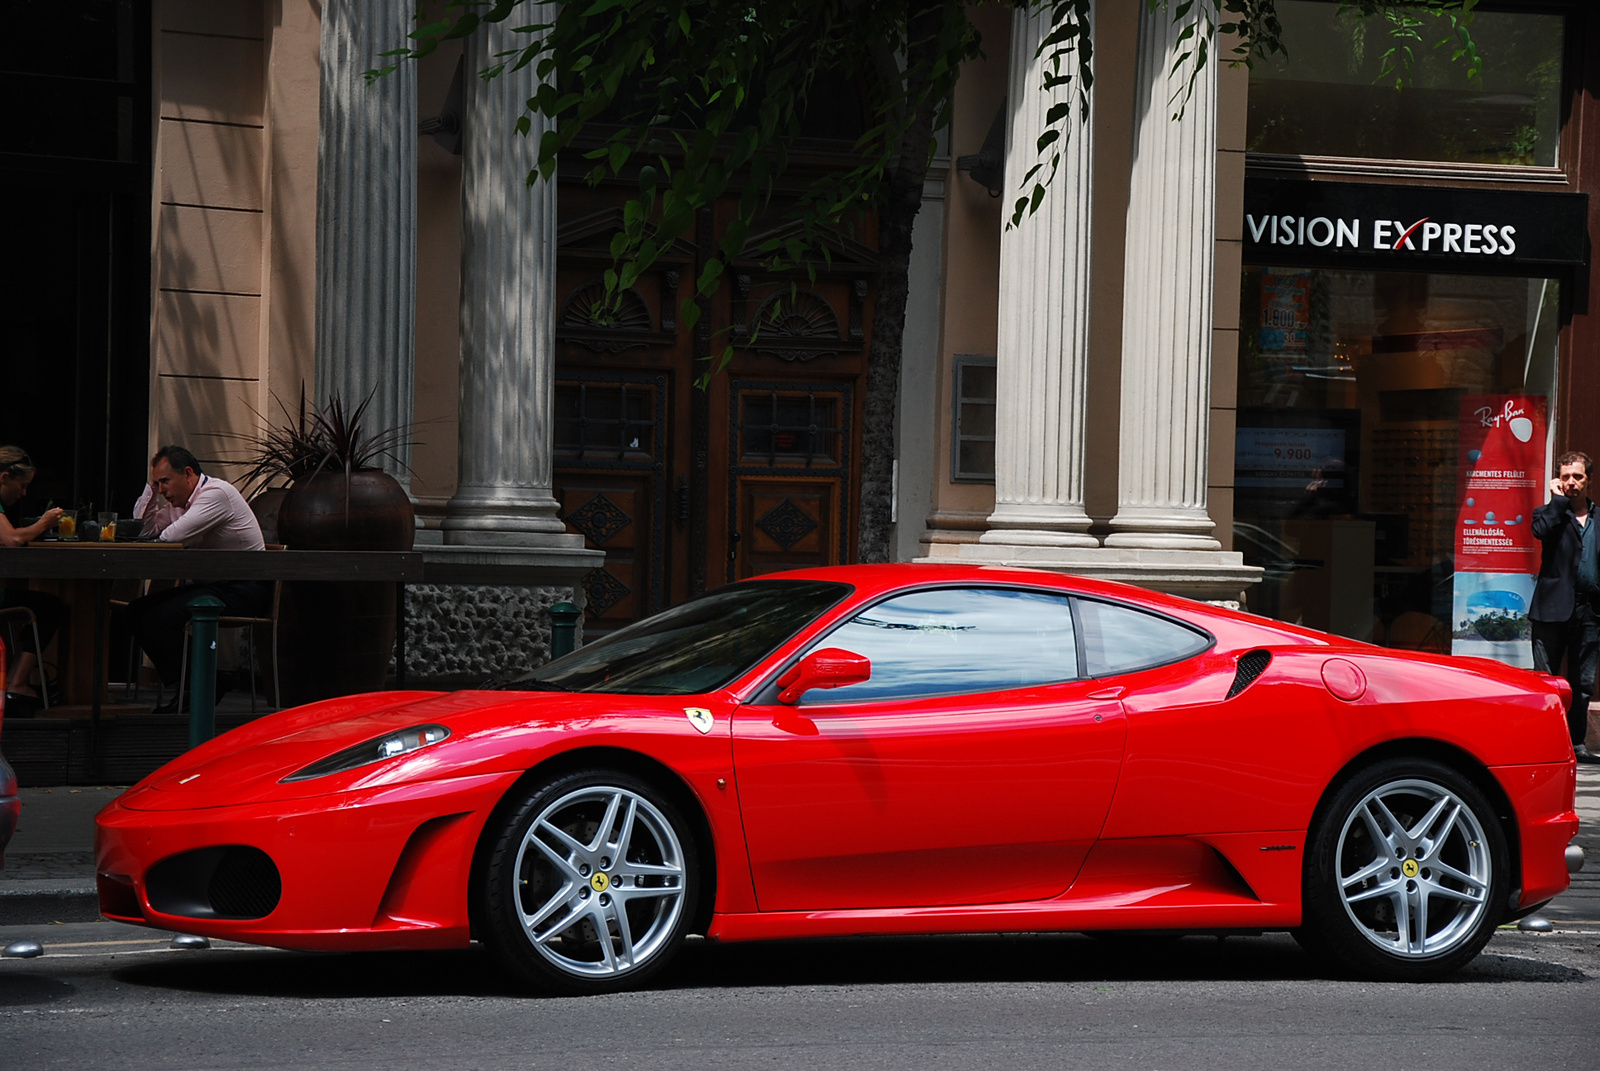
pixel 401 742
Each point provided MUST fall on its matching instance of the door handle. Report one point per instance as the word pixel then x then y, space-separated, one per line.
pixel 1115 692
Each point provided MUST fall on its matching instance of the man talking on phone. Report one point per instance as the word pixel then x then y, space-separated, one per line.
pixel 1566 596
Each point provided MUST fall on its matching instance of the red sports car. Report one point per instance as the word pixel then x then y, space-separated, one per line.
pixel 879 750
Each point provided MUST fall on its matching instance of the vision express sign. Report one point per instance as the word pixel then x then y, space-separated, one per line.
pixel 1400 228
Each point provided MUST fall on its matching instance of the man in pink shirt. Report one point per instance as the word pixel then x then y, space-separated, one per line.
pixel 184 505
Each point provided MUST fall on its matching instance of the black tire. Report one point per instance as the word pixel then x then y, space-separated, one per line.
pixel 1406 873
pixel 558 870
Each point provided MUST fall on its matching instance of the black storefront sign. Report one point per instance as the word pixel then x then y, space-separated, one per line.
pixel 1413 228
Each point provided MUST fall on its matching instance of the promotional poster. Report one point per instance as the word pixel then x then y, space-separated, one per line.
pixel 1501 479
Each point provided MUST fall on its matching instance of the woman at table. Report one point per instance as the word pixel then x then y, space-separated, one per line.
pixel 22 693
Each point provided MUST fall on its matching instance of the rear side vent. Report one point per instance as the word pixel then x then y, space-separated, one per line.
pixel 1251 665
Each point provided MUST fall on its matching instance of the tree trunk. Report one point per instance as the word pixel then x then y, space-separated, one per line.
pixel 897 215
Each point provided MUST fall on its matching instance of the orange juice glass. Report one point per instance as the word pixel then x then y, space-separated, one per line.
pixel 69 526
pixel 108 527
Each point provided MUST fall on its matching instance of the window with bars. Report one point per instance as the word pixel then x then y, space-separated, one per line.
pixel 781 428
pixel 604 420
pixel 972 445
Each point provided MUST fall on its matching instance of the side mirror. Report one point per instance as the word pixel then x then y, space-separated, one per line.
pixel 830 667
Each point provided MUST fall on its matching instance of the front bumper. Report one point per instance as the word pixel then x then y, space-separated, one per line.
pixel 385 868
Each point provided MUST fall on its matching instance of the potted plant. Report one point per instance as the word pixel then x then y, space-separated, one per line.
pixel 338 498
pixel 336 636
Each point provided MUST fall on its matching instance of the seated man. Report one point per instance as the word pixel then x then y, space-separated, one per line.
pixel 198 511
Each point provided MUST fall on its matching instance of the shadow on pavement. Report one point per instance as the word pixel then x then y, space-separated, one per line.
pixel 862 961
pixel 21 990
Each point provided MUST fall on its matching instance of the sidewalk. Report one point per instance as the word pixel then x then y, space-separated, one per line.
pixel 49 874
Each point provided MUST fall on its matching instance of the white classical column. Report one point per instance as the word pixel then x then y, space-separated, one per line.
pixel 1043 343
pixel 1167 297
pixel 367 217
pixel 508 290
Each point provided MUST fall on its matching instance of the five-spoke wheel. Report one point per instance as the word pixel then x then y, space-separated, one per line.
pixel 1405 872
pixel 590 885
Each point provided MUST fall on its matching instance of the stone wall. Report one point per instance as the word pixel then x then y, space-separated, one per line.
pixel 463 633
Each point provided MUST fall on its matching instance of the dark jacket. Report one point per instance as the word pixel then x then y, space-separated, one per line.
pixel 1556 527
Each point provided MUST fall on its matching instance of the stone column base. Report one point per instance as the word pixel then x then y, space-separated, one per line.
pixel 1214 576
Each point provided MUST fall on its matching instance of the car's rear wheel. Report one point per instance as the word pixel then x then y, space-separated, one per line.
pixel 1405 872
pixel 590 883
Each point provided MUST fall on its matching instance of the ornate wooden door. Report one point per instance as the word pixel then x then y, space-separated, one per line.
pixel 686 487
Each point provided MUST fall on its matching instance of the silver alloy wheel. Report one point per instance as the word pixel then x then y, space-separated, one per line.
pixel 600 881
pixel 1414 868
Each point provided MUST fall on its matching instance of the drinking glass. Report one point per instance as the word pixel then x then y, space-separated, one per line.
pixel 68 526
pixel 108 526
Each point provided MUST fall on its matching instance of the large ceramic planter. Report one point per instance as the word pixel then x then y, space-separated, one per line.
pixel 362 511
pixel 337 637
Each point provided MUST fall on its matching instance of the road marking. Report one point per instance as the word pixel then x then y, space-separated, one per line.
pixel 99 944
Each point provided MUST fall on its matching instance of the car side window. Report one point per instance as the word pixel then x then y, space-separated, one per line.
pixel 1120 639
pixel 947 641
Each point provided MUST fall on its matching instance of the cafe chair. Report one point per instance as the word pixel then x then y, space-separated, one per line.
pixel 14 615
pixel 268 622
pixel 124 592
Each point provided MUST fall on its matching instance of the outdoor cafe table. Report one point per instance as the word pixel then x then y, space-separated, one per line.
pixel 102 563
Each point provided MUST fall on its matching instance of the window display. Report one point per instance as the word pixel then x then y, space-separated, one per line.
pixel 1393 435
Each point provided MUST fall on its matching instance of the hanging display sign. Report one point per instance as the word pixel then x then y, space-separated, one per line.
pixel 1413 228
pixel 1285 311
pixel 1500 481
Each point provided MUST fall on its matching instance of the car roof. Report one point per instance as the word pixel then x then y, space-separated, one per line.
pixel 877 579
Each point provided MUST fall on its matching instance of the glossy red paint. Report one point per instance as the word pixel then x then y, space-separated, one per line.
pixel 1145 800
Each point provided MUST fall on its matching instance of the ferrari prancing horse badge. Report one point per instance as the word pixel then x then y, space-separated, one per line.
pixel 699 717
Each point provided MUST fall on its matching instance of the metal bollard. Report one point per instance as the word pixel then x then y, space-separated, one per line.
pixel 203 669
pixel 563 629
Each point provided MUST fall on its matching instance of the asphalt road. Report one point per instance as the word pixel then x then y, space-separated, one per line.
pixel 111 996
pixel 1529 1001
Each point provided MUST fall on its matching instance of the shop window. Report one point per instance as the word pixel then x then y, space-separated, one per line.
pixel 1328 95
pixel 973 441
pixel 1383 419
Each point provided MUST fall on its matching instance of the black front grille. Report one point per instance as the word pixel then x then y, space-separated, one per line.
pixel 1251 665
pixel 245 884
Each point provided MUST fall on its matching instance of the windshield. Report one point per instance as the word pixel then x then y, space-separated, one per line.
pixel 693 648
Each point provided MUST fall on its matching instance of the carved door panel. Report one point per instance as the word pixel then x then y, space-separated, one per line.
pixel 642 451
pixel 611 482
pixel 788 487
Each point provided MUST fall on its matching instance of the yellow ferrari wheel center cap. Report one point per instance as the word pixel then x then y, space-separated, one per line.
pixel 600 882
pixel 1409 868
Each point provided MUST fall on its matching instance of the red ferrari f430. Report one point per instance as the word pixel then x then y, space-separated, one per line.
pixel 879 750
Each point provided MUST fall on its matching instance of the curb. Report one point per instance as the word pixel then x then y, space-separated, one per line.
pixel 25 902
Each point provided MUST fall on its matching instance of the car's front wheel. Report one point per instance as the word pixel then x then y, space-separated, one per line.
pixel 1405 872
pixel 589 884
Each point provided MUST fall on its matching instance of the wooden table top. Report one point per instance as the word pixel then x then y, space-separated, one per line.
pixel 66 560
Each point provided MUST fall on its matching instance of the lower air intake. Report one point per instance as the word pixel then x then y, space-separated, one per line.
pixel 228 882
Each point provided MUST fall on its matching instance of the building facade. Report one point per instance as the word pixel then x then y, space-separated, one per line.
pixel 1232 356
pixel 1398 345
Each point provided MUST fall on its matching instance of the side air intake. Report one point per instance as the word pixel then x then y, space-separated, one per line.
pixel 1251 665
